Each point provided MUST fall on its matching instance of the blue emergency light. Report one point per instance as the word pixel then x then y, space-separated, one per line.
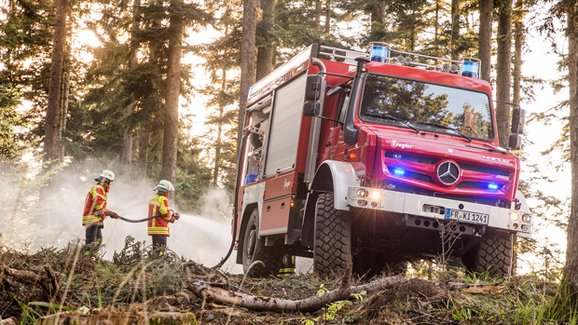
pixel 379 52
pixel 399 171
pixel 470 69
pixel 493 186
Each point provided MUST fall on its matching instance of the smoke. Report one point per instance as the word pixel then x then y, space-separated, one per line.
pixel 32 220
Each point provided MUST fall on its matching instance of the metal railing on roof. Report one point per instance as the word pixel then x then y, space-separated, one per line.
pixel 393 56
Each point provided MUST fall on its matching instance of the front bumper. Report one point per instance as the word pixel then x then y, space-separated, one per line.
pixel 438 209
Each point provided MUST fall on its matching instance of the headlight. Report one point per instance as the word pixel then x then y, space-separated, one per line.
pixel 375 195
pixel 362 193
pixel 515 215
pixel 526 218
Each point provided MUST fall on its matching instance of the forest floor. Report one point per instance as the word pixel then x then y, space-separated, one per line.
pixel 133 287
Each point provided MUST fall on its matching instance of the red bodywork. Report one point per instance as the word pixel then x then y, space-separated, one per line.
pixel 380 148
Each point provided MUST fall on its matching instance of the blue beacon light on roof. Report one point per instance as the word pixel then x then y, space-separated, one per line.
pixel 492 186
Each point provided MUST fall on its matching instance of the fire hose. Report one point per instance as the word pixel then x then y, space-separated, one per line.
pixel 136 221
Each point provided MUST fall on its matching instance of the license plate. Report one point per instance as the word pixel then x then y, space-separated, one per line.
pixel 467 216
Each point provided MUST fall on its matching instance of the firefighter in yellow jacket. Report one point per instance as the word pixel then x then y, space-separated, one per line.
pixel 160 215
pixel 95 210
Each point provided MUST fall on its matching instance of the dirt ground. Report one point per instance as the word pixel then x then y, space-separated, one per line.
pixel 135 286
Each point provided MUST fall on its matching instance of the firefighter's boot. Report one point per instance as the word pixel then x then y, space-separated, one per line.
pixel 288 268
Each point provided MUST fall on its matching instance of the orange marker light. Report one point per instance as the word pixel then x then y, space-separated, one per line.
pixel 352 155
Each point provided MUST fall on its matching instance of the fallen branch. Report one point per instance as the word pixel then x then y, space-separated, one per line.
pixel 25 275
pixel 205 291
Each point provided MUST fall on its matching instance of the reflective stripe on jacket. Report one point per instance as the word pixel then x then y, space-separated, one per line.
pixel 159 206
pixel 94 205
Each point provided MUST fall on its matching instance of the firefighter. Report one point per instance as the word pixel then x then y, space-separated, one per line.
pixel 95 210
pixel 288 267
pixel 160 216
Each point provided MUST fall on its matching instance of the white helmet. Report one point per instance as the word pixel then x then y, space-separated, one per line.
pixel 105 174
pixel 164 186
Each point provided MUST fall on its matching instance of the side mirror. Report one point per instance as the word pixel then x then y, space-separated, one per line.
pixel 311 108
pixel 515 142
pixel 313 87
pixel 518 120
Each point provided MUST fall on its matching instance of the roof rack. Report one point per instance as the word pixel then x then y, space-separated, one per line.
pixel 381 52
pixel 340 55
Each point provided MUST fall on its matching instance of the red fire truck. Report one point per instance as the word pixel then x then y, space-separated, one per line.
pixel 370 161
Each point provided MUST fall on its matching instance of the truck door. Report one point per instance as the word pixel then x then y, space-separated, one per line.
pixel 332 146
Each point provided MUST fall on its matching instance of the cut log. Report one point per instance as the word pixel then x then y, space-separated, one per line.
pixel 222 296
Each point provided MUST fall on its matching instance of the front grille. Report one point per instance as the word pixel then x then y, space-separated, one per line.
pixel 419 177
pixel 470 184
pixel 422 168
pixel 411 157
pixel 420 191
pixel 484 169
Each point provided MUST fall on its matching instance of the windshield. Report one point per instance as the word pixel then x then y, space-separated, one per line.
pixel 427 106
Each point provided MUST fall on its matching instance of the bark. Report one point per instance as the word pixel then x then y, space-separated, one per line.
pixel 127 137
pixel 571 267
pixel 265 39
pixel 173 91
pixel 327 16
pixel 518 46
pixel 205 291
pixel 377 12
pixel 144 138
pixel 65 94
pixel 455 34
pixel 504 71
pixel 317 10
pixel 436 27
pixel 485 40
pixel 53 127
pixel 247 58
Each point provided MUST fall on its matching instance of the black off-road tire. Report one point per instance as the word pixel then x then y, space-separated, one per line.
pixel 332 244
pixel 254 249
pixel 494 255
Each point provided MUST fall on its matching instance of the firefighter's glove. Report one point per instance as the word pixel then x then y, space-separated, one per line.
pixel 176 215
pixel 113 214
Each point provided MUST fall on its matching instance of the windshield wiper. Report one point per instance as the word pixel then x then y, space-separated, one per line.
pixel 393 118
pixel 448 128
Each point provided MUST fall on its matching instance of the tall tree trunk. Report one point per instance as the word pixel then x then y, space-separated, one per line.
pixel 173 91
pixel 247 57
pixel 504 71
pixel 377 12
pixel 436 27
pixel 485 41
pixel 327 17
pixel 317 19
pixel 518 46
pixel 65 93
pixel 53 127
pixel 265 39
pixel 218 141
pixel 143 150
pixel 127 137
pixel 570 277
pixel 455 36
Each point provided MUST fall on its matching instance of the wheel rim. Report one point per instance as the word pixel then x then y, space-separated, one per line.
pixel 251 243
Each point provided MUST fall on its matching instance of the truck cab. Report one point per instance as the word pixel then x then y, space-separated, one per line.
pixel 369 160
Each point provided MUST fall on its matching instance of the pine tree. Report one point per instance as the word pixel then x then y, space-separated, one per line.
pixel 504 71
pixel 173 91
pixel 569 285
pixel 485 40
pixel 54 112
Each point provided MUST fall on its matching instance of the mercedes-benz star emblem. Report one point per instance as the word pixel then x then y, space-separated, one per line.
pixel 448 172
